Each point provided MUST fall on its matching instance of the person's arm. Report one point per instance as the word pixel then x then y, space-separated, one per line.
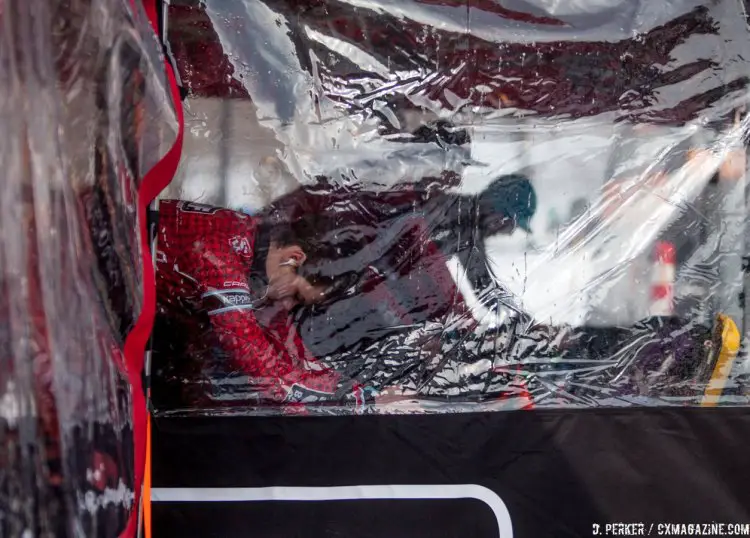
pixel 475 263
pixel 422 191
pixel 229 304
pixel 430 184
pixel 225 295
pixel 489 292
pixel 276 364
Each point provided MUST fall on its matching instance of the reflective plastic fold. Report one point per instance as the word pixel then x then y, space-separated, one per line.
pixel 85 111
pixel 502 205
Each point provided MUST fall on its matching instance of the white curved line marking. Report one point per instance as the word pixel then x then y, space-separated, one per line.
pixel 344 493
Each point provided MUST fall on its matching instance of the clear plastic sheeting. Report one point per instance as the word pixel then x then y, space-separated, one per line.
pixel 85 113
pixel 451 205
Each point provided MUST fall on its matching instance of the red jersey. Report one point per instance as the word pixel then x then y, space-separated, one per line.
pixel 205 260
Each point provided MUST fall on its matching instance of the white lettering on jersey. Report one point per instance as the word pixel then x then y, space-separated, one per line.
pixel 235 284
pixel 194 207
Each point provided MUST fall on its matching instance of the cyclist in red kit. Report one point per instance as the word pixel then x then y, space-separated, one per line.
pixel 225 282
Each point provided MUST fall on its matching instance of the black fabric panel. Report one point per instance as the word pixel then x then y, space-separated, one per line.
pixel 558 472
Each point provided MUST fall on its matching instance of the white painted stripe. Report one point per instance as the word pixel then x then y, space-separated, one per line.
pixel 344 493
pixel 664 273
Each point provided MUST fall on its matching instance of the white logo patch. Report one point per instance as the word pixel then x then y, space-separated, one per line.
pixel 240 245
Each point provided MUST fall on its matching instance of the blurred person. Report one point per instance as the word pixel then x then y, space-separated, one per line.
pixel 398 323
pixel 224 280
pixel 692 224
pixel 457 223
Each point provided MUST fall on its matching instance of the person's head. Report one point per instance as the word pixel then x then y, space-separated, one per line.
pixel 508 203
pixel 289 247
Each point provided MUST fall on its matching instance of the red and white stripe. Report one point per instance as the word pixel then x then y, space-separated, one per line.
pixel 662 283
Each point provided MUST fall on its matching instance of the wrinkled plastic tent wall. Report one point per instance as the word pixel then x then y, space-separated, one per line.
pixel 85 112
pixel 628 118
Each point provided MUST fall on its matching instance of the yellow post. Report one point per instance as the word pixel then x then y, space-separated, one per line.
pixel 730 346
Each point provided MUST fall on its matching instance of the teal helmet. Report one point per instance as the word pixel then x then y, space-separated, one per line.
pixel 511 196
